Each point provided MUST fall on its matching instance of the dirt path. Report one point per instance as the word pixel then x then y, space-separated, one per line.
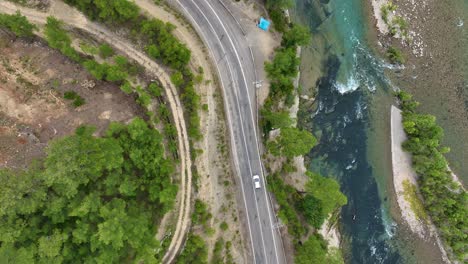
pixel 73 18
pixel 213 164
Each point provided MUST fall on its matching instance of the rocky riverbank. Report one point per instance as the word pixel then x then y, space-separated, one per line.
pixel 436 64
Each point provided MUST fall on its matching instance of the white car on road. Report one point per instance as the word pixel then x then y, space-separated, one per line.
pixel 256 180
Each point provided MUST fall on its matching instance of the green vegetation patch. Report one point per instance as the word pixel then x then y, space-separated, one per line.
pixel 395 55
pixel 315 251
pixel 58 38
pixel 195 251
pixel 114 11
pixel 292 142
pixel 18 24
pixel 92 200
pixel 76 98
pixel 276 11
pixel 410 193
pixel 88 48
pixel 106 51
pixel 386 9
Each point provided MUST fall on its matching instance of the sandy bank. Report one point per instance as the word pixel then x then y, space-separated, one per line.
pixel 377 8
pixel 402 170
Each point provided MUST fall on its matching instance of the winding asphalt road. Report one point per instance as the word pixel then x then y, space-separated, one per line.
pixel 233 59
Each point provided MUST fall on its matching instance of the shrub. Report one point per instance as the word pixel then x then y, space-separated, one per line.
pixel 58 38
pixel 395 55
pixel 114 11
pixel 105 51
pixel 17 24
pixel 126 87
pixel 77 99
pixel 224 226
pixel 292 142
pixel 155 89
pixel 70 95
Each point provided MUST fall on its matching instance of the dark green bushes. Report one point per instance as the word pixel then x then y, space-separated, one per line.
pixel 276 10
pixel 284 67
pixel 282 71
pixel 322 198
pixel 76 98
pixel 58 38
pixel 163 45
pixel 91 200
pixel 292 142
pixel 395 55
pixel 104 71
pixel 116 11
pixel 194 252
pixel 106 51
pixel 286 196
pixel 201 214
pixel 17 24
pixel 445 201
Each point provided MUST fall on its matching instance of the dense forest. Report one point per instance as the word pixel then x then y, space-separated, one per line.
pixel 91 200
pixel 445 200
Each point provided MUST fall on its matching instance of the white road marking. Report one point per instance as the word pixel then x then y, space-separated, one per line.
pixel 242 128
pixel 229 121
pixel 252 118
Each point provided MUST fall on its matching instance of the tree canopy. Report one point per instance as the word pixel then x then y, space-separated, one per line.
pixel 92 200
pixel 292 142
pixel 297 35
pixel 273 120
pixel 108 10
pixel 327 191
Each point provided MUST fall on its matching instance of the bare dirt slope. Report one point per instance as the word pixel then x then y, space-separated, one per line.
pixel 33 79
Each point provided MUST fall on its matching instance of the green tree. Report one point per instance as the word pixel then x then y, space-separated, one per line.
pixel 116 11
pixel 126 87
pixel 92 200
pixel 395 55
pixel 312 210
pixel 177 79
pixel 274 120
pixel 17 24
pixel 77 160
pixel 313 251
pixel 58 38
pixel 292 142
pixel 297 35
pixel 106 51
pixel 194 252
pixel 327 191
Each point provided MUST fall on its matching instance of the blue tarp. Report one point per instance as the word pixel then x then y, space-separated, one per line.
pixel 264 24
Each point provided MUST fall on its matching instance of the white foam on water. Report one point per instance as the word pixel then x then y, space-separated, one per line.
pixel 359 113
pixel 389 225
pixel 351 85
pixel 373 249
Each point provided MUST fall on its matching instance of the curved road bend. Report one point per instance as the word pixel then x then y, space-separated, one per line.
pixel 231 54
